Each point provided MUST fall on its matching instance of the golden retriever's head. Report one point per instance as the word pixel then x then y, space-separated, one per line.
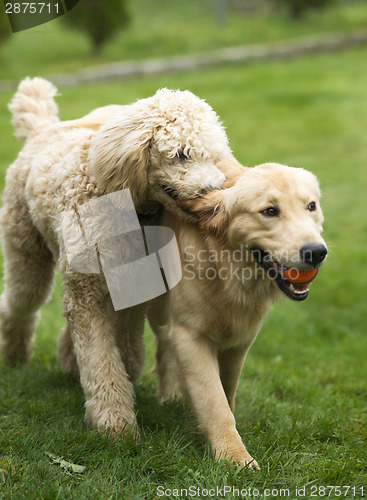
pixel 274 212
pixel 168 144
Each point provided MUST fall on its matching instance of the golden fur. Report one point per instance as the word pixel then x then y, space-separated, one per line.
pixel 207 323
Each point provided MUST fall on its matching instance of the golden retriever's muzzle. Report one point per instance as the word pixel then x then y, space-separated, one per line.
pixel 313 255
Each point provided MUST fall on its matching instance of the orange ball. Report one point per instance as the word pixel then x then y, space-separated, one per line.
pixel 300 277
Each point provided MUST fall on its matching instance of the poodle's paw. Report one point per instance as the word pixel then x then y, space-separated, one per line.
pixel 16 334
pixel 112 422
pixel 198 181
pixel 15 356
pixel 123 431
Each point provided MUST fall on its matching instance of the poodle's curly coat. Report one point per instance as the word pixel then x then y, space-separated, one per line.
pixel 168 143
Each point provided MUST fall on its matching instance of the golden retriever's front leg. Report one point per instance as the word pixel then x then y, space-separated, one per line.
pixel 108 390
pixel 199 369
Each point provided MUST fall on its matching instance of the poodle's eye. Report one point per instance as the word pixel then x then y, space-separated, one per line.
pixel 270 212
pixel 312 206
pixel 181 155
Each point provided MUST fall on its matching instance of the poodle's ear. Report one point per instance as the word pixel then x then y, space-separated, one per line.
pixel 232 170
pixel 210 211
pixel 119 152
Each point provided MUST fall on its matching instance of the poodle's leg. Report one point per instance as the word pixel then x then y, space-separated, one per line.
pixel 128 328
pixel 29 271
pixel 108 390
pixel 169 386
pixel 65 353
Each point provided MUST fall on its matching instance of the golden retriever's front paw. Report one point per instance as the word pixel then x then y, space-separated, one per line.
pixel 248 462
pixel 239 456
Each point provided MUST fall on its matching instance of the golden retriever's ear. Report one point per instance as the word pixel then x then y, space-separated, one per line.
pixel 119 152
pixel 210 211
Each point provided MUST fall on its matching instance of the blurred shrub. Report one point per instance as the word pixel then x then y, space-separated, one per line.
pixel 99 19
pixel 298 8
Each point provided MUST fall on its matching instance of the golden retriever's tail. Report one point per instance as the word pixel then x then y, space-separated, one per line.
pixel 33 106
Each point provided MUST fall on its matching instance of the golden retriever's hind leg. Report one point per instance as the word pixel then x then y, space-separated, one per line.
pixel 230 366
pixel 128 328
pixel 65 353
pixel 169 385
pixel 29 272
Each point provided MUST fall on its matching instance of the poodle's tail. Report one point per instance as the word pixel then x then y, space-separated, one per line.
pixel 33 106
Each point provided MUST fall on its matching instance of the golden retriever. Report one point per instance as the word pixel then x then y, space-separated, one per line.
pixel 232 265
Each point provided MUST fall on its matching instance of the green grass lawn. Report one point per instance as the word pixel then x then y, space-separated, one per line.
pixel 302 399
pixel 166 27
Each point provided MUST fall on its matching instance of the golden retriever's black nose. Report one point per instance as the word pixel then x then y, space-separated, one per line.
pixel 313 254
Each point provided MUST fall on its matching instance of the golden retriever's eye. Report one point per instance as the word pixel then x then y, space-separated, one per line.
pixel 312 206
pixel 270 212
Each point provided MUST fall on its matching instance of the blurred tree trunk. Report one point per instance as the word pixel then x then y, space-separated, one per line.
pixel 297 12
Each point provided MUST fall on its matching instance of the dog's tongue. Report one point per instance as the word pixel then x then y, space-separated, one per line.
pixel 301 288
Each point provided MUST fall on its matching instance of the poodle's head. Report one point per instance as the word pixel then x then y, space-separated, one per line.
pixel 161 148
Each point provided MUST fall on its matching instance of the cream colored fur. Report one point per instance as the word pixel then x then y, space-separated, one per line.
pixel 33 106
pixel 173 138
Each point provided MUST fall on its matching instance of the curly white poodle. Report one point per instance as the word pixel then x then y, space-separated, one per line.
pixel 163 148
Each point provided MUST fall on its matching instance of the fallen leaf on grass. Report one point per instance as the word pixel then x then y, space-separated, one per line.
pixel 79 469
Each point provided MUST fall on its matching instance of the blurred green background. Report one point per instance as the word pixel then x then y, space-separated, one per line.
pixel 302 399
pixel 169 27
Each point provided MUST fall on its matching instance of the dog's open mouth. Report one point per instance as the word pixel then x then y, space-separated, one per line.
pixel 274 270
